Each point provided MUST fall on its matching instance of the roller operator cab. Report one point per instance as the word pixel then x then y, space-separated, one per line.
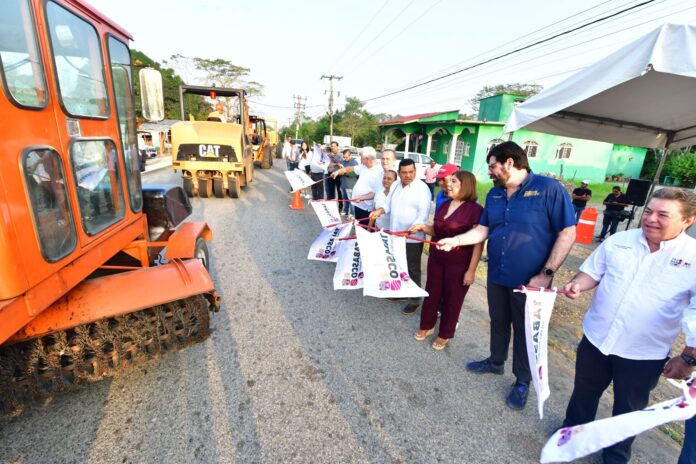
pixel 264 140
pixel 80 237
pixel 215 156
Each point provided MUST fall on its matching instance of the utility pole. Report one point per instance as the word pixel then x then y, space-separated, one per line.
pixel 299 105
pixel 331 102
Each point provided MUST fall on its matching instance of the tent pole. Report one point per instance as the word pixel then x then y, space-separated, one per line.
pixel 661 164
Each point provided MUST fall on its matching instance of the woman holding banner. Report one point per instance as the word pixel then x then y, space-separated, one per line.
pixel 450 275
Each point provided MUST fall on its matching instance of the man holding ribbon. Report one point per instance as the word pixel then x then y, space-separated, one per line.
pixel 408 204
pixel 530 226
pixel 646 292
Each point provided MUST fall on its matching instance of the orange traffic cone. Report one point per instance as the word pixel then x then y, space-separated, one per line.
pixel 586 226
pixel 296 201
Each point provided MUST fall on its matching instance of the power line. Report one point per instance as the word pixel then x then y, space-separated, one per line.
pixel 353 42
pixel 389 24
pixel 283 107
pixel 498 57
pixel 403 29
pixel 445 85
pixel 442 86
pixel 498 47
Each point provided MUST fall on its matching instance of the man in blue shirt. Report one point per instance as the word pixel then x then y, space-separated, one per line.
pixel 529 222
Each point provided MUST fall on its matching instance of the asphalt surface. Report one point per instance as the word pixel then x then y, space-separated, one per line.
pixel 296 372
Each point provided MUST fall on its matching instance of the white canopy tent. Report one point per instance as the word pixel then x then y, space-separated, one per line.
pixel 644 94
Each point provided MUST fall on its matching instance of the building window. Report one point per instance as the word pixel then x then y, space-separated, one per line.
pixel 462 149
pixel 493 143
pixel 530 148
pixel 564 151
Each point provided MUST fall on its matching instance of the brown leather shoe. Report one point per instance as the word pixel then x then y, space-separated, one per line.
pixel 410 309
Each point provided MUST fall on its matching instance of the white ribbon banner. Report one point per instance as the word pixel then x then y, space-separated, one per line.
pixel 384 264
pixel 327 212
pixel 325 246
pixel 349 274
pixel 537 314
pixel 571 443
pixel 298 180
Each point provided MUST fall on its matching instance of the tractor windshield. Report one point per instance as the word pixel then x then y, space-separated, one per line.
pixel 19 58
pixel 78 63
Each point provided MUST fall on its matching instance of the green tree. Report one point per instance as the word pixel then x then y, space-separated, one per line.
pixel 352 121
pixel 358 123
pixel 170 88
pixel 525 90
pixel 217 72
pixel 682 165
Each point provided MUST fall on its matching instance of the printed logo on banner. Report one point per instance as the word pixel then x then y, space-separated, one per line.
pixel 328 213
pixel 570 443
pixel 329 250
pixel 349 274
pixel 392 280
pixel 536 328
pixel 298 179
pixel 351 278
pixel 326 246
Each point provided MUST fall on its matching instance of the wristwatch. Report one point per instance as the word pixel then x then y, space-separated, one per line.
pixel 547 271
pixel 688 359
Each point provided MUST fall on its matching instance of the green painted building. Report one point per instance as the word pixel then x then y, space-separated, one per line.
pixel 446 137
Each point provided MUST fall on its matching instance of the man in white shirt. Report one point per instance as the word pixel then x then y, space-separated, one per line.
pixel 646 289
pixel 369 182
pixel 408 203
pixel 286 151
pixel 388 159
pixel 317 169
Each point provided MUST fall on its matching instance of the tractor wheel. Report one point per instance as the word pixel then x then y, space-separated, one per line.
pixel 205 187
pixel 234 185
pixel 188 186
pixel 218 188
pixel 266 162
pixel 200 252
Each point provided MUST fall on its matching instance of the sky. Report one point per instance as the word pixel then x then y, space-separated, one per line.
pixel 382 46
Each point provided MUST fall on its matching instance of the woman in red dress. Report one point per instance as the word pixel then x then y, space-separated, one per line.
pixel 450 273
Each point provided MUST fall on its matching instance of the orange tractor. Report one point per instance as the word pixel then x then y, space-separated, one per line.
pixel 80 237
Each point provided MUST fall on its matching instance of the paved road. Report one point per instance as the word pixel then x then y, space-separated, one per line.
pixel 295 372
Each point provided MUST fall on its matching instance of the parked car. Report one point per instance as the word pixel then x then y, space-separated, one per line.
pixel 422 161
